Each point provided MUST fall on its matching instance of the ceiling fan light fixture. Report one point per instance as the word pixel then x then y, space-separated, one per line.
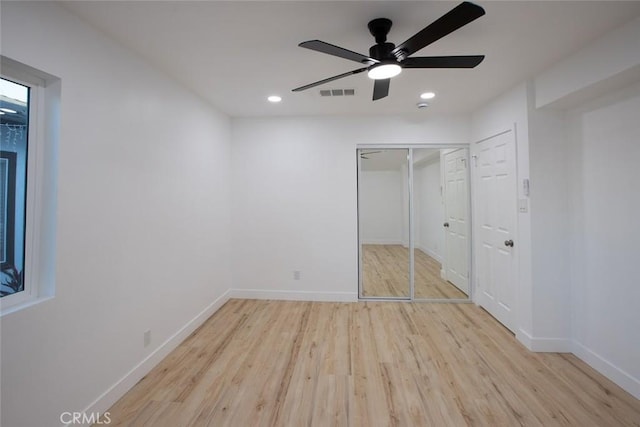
pixel 386 59
pixel 384 71
pixel 274 99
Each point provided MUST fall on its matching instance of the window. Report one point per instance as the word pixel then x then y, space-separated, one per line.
pixel 28 142
pixel 14 143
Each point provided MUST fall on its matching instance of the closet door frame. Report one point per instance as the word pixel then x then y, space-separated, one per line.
pixel 411 275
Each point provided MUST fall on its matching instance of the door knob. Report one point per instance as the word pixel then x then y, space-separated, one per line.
pixel 508 243
pixel 446 224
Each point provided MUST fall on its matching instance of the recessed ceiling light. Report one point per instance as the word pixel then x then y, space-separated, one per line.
pixel 274 98
pixel 1 113
pixel 8 110
pixel 427 95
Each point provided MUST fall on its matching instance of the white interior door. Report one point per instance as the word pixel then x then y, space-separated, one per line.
pixel 456 209
pixel 496 210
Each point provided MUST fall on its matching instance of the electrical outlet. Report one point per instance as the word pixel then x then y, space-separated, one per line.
pixel 296 275
pixel 147 337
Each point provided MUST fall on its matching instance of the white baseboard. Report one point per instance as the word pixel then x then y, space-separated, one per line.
pixel 544 344
pixel 560 345
pixel 630 384
pixel 124 384
pixel 294 295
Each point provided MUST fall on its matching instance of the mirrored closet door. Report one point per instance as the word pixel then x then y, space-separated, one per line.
pixel 383 206
pixel 413 220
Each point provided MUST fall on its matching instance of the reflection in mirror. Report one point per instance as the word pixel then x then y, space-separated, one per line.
pixel 440 224
pixel 383 221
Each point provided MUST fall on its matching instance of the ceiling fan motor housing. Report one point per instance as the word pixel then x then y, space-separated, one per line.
pixel 379 28
pixel 382 51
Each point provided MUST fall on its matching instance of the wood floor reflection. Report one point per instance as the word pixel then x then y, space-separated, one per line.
pixel 386 274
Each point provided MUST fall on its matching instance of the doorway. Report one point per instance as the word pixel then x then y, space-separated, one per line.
pixel 496 205
pixel 414 223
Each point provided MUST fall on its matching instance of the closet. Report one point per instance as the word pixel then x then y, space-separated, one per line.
pixel 413 223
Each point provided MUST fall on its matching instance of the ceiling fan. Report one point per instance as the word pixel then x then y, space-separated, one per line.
pixel 364 155
pixel 387 60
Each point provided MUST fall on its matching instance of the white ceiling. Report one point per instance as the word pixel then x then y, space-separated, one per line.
pixel 236 53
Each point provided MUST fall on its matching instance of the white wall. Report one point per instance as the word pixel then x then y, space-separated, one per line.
pixel 604 66
pixel 584 207
pixel 551 299
pixel 143 219
pixel 604 234
pixel 380 207
pixel 429 209
pixel 294 198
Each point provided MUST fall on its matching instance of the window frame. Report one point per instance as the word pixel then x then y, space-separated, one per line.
pixel 34 197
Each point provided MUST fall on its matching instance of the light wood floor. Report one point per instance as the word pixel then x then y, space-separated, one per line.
pixel 385 273
pixel 277 363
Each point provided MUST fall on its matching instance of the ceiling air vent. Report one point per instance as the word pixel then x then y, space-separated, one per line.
pixel 337 92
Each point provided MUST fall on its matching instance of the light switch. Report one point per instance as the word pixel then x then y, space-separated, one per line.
pixel 525 187
pixel 523 205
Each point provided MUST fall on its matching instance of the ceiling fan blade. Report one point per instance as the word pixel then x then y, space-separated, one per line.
pixel 330 79
pixel 457 17
pixel 320 46
pixel 381 89
pixel 469 61
pixel 370 152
